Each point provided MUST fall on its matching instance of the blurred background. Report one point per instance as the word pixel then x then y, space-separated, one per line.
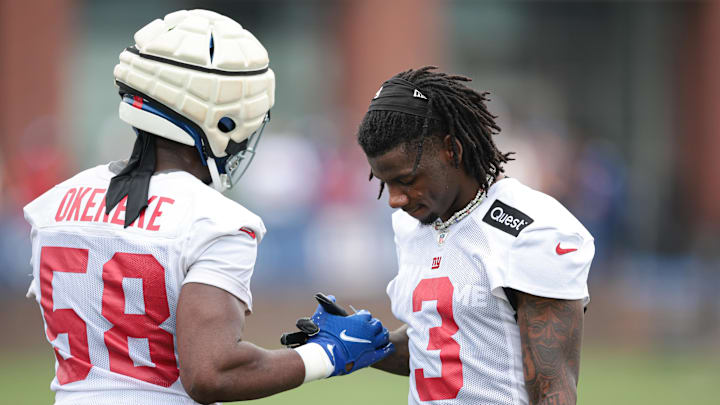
pixel 611 107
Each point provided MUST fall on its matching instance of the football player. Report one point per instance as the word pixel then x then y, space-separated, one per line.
pixel 492 279
pixel 142 268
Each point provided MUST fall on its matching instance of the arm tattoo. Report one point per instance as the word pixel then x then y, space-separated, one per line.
pixel 551 335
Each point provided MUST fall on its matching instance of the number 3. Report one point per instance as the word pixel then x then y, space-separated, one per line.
pixel 122 265
pixel 449 383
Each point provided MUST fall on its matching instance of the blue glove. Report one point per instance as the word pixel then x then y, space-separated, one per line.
pixel 351 342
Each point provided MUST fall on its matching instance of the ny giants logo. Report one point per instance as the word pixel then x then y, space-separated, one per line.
pixel 436 262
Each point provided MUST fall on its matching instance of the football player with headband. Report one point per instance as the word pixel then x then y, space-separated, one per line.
pixel 492 275
pixel 142 267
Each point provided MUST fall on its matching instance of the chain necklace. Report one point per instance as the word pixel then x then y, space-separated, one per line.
pixel 442 227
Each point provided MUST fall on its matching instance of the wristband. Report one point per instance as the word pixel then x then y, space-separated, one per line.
pixel 317 363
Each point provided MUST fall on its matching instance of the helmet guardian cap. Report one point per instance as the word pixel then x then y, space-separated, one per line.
pixel 198 78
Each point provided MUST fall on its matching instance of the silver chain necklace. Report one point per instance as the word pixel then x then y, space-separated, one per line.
pixel 442 227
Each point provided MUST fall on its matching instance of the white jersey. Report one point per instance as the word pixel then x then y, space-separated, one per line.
pixel 464 341
pixel 109 294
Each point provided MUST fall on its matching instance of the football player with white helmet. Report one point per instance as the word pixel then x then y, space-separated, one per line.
pixel 142 271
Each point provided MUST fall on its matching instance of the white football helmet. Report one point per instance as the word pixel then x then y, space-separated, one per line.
pixel 198 78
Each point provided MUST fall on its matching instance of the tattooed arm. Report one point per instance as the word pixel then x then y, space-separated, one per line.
pixel 551 335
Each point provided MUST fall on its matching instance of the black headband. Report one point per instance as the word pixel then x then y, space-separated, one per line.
pixel 402 96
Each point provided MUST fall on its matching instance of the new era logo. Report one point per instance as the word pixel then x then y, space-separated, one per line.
pixel 416 94
pixel 436 262
pixel 378 93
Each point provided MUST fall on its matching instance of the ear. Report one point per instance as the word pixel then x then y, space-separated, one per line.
pixel 449 152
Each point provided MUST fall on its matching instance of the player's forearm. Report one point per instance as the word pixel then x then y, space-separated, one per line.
pixel 553 395
pixel 398 362
pixel 215 363
pixel 548 383
pixel 551 337
pixel 246 372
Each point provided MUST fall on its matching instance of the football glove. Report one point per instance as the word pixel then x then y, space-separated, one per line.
pixel 349 342
pixel 307 326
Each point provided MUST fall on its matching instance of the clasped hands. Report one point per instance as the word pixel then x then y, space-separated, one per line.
pixel 351 342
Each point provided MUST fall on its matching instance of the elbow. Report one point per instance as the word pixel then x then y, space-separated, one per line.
pixel 201 387
pixel 212 386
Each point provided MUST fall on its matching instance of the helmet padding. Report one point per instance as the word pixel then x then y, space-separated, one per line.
pixel 173 63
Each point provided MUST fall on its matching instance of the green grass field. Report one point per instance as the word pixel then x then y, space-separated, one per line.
pixel 607 377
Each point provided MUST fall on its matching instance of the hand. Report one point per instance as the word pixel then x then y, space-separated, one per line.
pixel 307 326
pixel 351 342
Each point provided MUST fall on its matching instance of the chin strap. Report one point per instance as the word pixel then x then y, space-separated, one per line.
pixel 134 180
pixel 217 182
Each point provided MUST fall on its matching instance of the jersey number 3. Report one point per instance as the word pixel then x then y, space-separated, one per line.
pixel 125 326
pixel 449 383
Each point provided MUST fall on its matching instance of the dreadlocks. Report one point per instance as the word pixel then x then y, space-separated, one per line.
pixel 461 113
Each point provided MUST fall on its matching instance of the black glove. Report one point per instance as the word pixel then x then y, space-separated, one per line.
pixel 307 326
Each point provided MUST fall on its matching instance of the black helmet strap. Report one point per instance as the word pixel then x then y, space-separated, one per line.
pixel 134 180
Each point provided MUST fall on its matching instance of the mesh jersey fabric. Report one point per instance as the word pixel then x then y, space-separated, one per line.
pixel 464 342
pixel 108 294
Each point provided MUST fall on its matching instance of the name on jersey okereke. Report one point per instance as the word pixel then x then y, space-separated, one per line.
pixel 74 206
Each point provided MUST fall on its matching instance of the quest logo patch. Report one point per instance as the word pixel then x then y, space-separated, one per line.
pixel 507 218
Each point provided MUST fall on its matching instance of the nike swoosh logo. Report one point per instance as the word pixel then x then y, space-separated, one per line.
pixel 347 338
pixel 248 231
pixel 562 251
